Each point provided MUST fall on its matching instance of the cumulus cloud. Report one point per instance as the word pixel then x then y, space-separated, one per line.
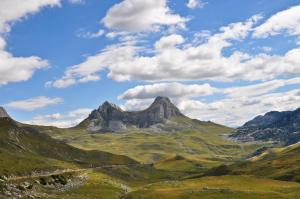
pixel 175 59
pixel 141 15
pixel 65 120
pixel 169 42
pixel 15 10
pixel 15 69
pixel 34 103
pixel 173 90
pixel 192 4
pixel 236 111
pixel 287 21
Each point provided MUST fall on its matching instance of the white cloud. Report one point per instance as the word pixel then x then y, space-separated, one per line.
pixel 141 15
pixel 91 35
pixel 172 60
pixel 15 69
pixel 66 120
pixel 169 42
pixel 136 104
pixel 76 1
pixel 236 111
pixel 15 10
pixel 192 4
pixel 261 88
pixel 173 90
pixel 34 103
pixel 287 21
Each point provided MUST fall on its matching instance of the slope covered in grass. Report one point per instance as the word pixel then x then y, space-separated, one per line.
pixel 227 187
pixel 201 141
pixel 26 149
pixel 277 163
pixel 179 163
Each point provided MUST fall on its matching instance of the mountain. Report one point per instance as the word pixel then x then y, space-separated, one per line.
pixel 155 134
pixel 282 127
pixel 3 113
pixel 110 117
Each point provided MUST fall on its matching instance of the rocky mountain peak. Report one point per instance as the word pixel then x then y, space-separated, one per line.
pixel 163 108
pixel 110 117
pixel 161 99
pixel 3 113
pixel 109 106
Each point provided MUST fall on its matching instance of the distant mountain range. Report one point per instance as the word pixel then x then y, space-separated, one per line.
pixel 110 117
pixel 283 127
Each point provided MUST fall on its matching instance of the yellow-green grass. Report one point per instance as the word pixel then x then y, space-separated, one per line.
pixel 24 149
pixel 225 187
pixel 97 185
pixel 22 164
pixel 201 141
pixel 280 163
pixel 179 163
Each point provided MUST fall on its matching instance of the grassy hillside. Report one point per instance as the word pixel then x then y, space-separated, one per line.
pixel 24 149
pixel 179 163
pixel 277 163
pixel 199 141
pixel 227 187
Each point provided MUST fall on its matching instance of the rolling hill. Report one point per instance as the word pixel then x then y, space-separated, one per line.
pixel 24 149
pixel 277 163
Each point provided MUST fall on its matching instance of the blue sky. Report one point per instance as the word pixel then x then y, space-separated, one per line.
pixel 224 61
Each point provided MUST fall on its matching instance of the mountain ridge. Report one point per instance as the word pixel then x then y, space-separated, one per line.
pixel 282 127
pixel 110 117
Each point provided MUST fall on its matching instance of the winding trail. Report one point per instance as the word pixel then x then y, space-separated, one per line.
pixel 61 172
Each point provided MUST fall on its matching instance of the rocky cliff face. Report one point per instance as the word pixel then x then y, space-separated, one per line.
pixel 3 113
pixel 277 126
pixel 109 117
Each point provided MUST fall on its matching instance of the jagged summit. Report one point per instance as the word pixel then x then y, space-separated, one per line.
pixel 107 105
pixel 3 113
pixel 164 108
pixel 110 117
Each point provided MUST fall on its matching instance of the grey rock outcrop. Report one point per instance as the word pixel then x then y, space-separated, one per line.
pixel 283 127
pixel 3 113
pixel 110 117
